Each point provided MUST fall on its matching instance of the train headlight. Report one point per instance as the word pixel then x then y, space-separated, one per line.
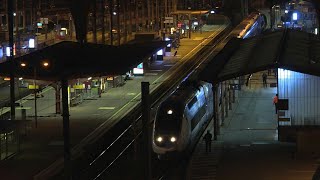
pixel 173 139
pixel 159 139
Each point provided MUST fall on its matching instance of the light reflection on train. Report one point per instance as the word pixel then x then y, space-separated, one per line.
pixel 183 115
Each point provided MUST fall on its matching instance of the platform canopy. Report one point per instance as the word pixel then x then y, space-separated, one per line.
pixel 70 60
pixel 193 12
pixel 287 49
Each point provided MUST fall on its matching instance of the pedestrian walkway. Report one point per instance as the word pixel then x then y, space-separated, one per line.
pixel 249 141
pixel 204 165
pixel 44 144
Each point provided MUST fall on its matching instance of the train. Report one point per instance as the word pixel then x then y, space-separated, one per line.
pixel 182 116
pixel 251 26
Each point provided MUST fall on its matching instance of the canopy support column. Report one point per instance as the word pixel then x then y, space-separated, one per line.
pixel 66 130
pixel 216 112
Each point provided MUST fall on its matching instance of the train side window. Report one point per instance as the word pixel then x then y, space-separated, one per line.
pixel 192 102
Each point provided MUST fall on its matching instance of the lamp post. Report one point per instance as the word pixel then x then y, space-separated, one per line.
pixel 35 96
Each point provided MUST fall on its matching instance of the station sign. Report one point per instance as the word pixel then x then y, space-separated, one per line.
pixel 33 86
pixel 81 86
pixel 168 20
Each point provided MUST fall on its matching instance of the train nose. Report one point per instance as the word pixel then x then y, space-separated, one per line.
pixel 166 141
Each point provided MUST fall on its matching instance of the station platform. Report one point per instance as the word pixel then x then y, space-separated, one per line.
pixel 247 147
pixel 43 145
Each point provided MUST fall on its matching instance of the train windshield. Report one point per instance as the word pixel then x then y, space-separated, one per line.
pixel 168 120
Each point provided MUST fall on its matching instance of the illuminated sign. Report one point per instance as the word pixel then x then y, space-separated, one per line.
pixel 8 51
pixel 295 16
pixel 138 70
pixel 33 86
pixel 64 29
pixel 160 52
pixel 81 86
pixel 31 43
pixel 1 52
pixel 39 25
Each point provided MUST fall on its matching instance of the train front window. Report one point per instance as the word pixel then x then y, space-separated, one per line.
pixel 168 121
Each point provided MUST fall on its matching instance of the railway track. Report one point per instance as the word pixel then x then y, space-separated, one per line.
pixel 120 147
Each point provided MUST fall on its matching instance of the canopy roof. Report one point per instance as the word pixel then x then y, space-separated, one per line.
pixel 287 49
pixel 71 60
pixel 197 12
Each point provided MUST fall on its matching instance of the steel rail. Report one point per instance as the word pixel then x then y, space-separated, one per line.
pixel 201 55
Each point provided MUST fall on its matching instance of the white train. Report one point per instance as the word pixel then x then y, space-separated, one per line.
pixel 180 118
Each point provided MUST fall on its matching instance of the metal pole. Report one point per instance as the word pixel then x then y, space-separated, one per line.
pixel 17 17
pixel 58 100
pixel 278 100
pixel 94 21
pixel 111 20
pixel 216 115
pixel 189 16
pixel 118 22
pixel 146 130
pixel 222 103
pixel 10 26
pixel 103 21
pixel 230 95
pixel 66 130
pixel 35 96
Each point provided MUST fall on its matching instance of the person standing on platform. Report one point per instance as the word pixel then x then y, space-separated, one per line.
pixel 175 53
pixel 264 79
pixel 269 72
pixel 275 102
pixel 207 138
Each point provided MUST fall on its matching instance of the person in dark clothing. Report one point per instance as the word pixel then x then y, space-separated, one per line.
pixel 269 72
pixel 175 53
pixel 275 71
pixel 264 79
pixel 207 138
